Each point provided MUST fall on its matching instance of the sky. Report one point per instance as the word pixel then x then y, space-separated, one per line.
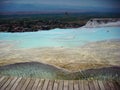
pixel 60 5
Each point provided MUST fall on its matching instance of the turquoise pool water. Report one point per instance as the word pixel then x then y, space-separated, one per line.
pixel 61 37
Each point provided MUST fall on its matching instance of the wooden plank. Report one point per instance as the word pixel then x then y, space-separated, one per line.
pixel 70 85
pixel 30 85
pixel 3 81
pixel 50 85
pixel 96 85
pixel 114 85
pixel 86 85
pixel 81 87
pixel 25 84
pixel 40 85
pixel 16 83
pixel 111 85
pixel 91 85
pixel 21 84
pixel 55 86
pixel 107 87
pixel 45 86
pixel 1 78
pixel 11 83
pixel 118 82
pixel 76 85
pixel 61 84
pixel 117 86
pixel 35 84
pixel 65 87
pixel 6 84
pixel 101 85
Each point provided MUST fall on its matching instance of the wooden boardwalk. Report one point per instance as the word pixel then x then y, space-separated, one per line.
pixel 18 83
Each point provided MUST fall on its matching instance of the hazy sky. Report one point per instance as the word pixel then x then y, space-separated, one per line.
pixel 60 5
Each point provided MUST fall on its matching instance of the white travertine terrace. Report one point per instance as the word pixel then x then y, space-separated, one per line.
pixel 92 55
pixel 102 22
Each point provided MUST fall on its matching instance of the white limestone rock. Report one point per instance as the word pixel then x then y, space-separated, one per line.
pixel 102 22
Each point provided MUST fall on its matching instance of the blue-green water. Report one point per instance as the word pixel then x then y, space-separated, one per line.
pixel 61 37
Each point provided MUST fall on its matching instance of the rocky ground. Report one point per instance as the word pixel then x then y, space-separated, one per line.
pixel 91 55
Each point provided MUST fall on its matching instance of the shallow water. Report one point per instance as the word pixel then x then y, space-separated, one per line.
pixel 39 70
pixel 33 46
pixel 61 37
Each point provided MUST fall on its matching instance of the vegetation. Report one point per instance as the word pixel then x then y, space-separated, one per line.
pixel 35 22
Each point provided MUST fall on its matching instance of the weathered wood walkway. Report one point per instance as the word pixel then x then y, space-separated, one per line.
pixel 18 83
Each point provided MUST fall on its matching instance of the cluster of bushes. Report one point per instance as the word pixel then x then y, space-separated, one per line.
pixel 25 24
